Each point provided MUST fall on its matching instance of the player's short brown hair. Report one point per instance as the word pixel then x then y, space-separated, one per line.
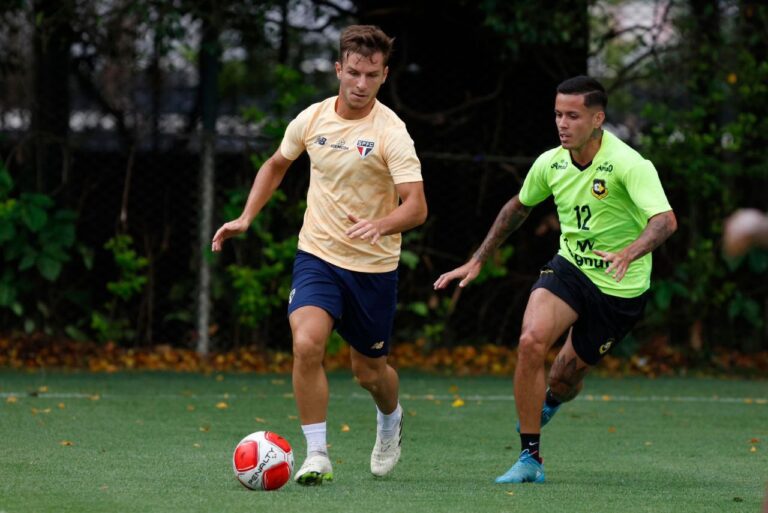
pixel 364 40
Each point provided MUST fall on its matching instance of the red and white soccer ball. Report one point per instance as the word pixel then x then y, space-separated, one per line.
pixel 263 461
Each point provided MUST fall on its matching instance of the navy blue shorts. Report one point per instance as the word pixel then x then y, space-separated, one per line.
pixel 361 304
pixel 603 320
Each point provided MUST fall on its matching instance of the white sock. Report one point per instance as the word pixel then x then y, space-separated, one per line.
pixel 315 435
pixel 387 424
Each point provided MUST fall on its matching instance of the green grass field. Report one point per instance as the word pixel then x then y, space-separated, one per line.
pixel 150 442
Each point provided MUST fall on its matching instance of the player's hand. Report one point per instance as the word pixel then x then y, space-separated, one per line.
pixel 739 230
pixel 466 272
pixel 619 263
pixel 227 231
pixel 364 229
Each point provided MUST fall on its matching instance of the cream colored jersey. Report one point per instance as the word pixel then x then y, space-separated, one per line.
pixel 355 165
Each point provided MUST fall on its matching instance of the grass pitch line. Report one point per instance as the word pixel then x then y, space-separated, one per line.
pixel 589 397
pixel 410 397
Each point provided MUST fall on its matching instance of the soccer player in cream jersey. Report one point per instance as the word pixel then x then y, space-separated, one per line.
pixel 613 213
pixel 365 189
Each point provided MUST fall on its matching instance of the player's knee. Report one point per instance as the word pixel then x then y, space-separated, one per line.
pixel 307 350
pixel 367 377
pixel 531 347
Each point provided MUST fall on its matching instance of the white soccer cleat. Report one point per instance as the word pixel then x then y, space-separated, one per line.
pixel 315 469
pixel 386 452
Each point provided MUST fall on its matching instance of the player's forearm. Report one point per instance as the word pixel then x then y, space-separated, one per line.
pixel 264 185
pixel 409 214
pixel 659 228
pixel 511 216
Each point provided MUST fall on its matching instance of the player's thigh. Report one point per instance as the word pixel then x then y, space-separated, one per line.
pixel 546 317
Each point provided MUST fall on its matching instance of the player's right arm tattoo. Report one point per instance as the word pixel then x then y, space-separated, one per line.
pixel 511 216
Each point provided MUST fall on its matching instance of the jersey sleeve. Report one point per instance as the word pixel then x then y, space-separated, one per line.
pixel 644 187
pixel 400 155
pixel 293 144
pixel 535 187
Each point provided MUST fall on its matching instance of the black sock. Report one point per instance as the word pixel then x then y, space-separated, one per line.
pixel 551 401
pixel 531 442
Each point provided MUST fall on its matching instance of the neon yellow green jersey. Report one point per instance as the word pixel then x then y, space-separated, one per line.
pixel 605 207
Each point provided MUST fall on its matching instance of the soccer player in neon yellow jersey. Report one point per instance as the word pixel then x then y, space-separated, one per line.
pixel 613 213
pixel 365 189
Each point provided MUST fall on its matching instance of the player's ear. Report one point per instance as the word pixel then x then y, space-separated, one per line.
pixel 599 118
pixel 386 72
pixel 338 70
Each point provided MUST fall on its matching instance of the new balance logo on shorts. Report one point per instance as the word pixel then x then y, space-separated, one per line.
pixel 378 345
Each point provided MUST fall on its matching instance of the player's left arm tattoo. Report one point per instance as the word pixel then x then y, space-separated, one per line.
pixel 659 228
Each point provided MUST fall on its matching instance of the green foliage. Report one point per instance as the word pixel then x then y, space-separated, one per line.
pixel 292 91
pixel 115 325
pixel 262 285
pixel 262 289
pixel 495 267
pixel 711 157
pixel 261 279
pixel 528 24
pixel 35 240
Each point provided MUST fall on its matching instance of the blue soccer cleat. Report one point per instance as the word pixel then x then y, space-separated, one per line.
pixel 547 412
pixel 526 470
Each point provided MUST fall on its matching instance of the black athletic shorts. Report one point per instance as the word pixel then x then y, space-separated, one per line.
pixel 603 320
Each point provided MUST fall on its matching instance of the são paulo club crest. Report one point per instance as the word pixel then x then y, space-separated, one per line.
pixel 364 148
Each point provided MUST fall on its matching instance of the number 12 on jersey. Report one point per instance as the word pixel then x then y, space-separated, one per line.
pixel 583 214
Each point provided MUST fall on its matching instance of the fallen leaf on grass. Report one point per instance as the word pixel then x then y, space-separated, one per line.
pixel 66 443
pixel 753 449
pixel 61 406
pixel 345 428
pixel 292 417
pixel 219 377
pixel 197 446
pixel 458 402
pixel 612 429
pixel 260 420
pixel 94 397
pixel 222 405
pixel 453 389
pixel 754 440
pixel 190 407
pixel 103 488
pixel 42 389
pixel 510 493
pixel 12 399
pixel 35 411
pixel 205 428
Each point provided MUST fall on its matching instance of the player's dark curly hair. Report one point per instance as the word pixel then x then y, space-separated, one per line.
pixel 593 91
